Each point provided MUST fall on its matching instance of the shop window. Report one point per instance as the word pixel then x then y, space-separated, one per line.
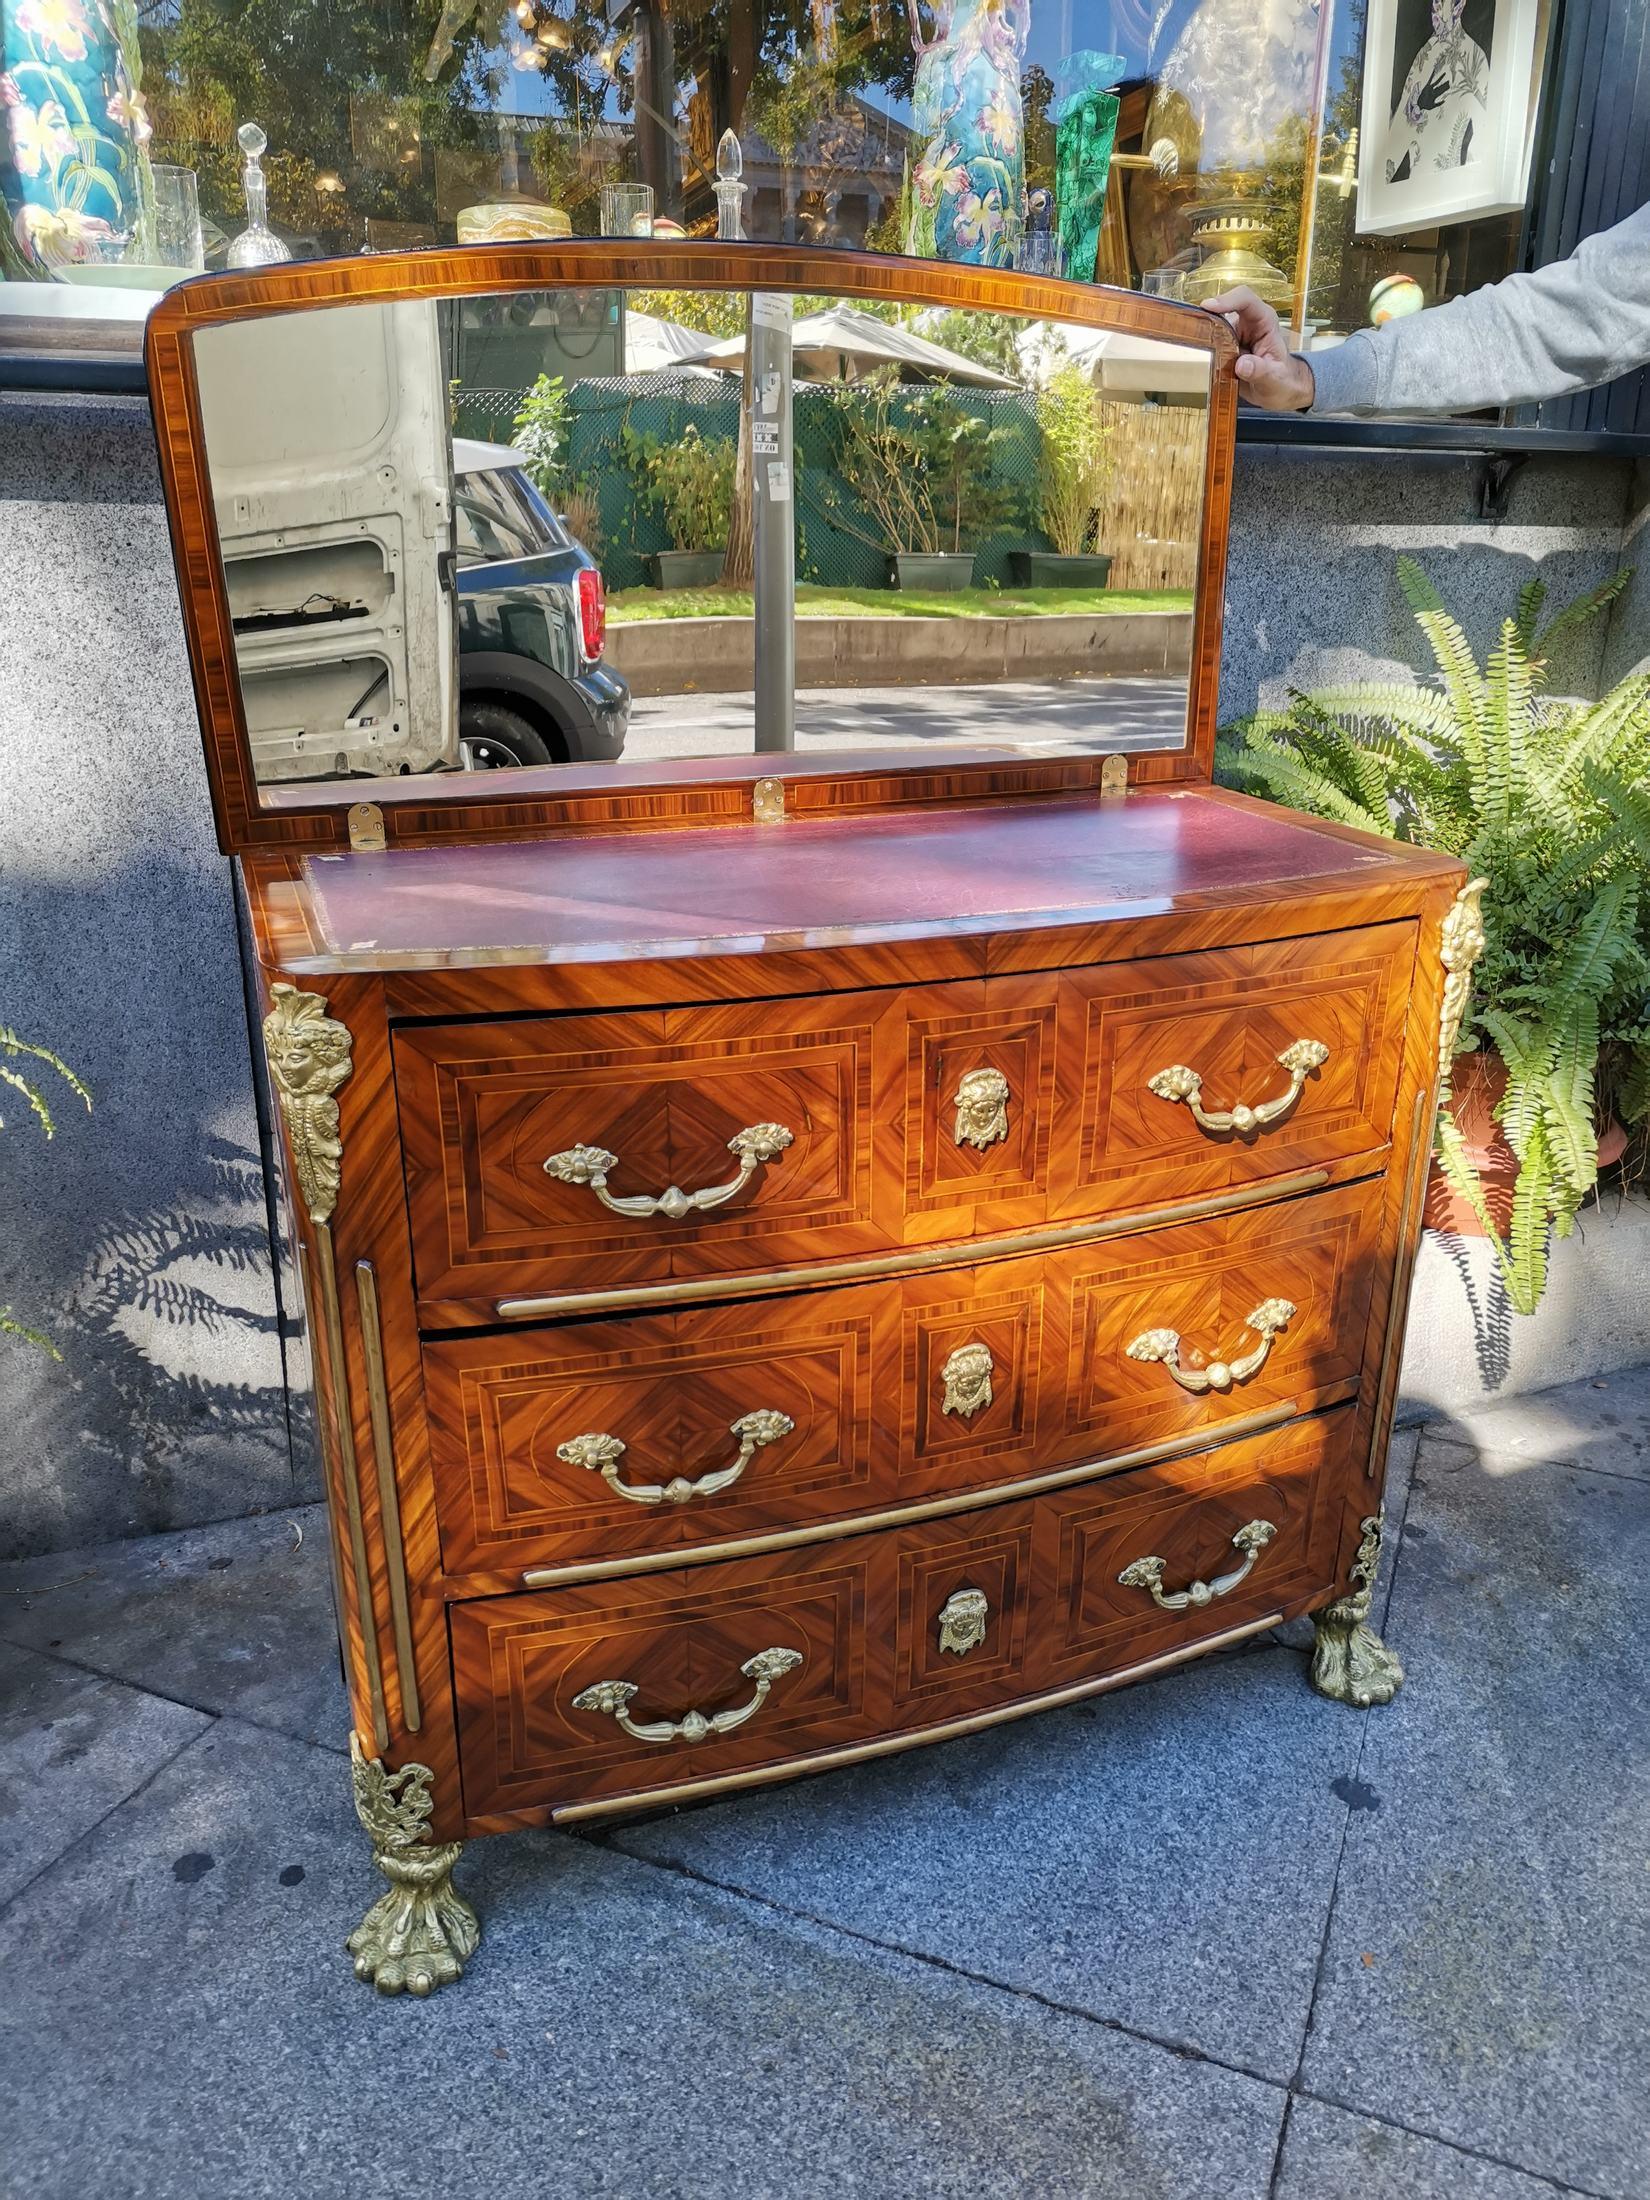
pixel 1172 145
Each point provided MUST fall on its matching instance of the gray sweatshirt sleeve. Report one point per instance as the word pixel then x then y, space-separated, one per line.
pixel 1567 327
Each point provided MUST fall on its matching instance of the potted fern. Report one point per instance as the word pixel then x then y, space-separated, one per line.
pixel 1548 802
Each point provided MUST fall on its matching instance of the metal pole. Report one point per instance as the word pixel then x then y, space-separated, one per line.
pixel 773 489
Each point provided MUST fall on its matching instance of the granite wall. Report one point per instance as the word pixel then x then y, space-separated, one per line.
pixel 141 1236
pixel 1627 648
pixel 1312 593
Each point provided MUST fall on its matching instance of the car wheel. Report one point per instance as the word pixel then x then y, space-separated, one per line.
pixel 494 738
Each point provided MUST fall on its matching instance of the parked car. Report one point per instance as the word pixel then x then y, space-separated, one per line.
pixel 532 620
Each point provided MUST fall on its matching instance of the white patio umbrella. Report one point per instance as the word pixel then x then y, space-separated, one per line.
pixel 652 345
pixel 842 344
pixel 1119 365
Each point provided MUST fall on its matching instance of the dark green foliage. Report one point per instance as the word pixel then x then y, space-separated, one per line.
pixel 918 462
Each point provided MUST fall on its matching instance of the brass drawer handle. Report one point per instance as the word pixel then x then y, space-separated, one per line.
pixel 1180 1083
pixel 593 1165
pixel 1269 1319
pixel 601 1454
pixel 981 1102
pixel 1147 1573
pixel 613 1699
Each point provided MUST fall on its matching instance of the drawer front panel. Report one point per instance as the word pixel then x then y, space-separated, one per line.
pixel 777 1134
pixel 656 1103
pixel 1176 1330
pixel 1234 1021
pixel 980 1107
pixel 833 1404
pixel 506 1411
pixel 887 1632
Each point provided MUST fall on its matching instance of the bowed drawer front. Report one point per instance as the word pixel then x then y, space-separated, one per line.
pixel 1190 1073
pixel 650 1433
pixel 561 1155
pixel 568 1152
pixel 612 1690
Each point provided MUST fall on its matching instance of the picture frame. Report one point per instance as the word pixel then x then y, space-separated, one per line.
pixel 1448 114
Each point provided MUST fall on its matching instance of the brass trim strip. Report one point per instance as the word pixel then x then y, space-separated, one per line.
pixel 1397 1319
pixel 389 1505
pixel 831 1760
pixel 914 1260
pixel 327 1268
pixel 311 1302
pixel 930 1508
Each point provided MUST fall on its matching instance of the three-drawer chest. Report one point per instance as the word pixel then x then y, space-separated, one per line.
pixel 806 1258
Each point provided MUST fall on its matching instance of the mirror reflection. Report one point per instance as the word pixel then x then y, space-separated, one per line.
pixel 576 526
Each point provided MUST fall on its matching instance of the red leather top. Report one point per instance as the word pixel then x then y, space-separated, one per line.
pixel 601 896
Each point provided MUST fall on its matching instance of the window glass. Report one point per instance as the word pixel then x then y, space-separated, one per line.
pixel 1172 145
pixel 493 523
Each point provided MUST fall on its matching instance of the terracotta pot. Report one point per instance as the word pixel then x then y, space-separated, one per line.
pixel 1478 1084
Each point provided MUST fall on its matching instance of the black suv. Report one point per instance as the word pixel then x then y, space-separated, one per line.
pixel 532 618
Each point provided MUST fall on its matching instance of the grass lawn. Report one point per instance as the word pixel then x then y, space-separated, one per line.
pixel 895 603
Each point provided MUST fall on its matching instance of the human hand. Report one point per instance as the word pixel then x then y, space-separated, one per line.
pixel 1269 373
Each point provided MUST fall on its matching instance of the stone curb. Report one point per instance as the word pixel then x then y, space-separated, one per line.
pixel 716 656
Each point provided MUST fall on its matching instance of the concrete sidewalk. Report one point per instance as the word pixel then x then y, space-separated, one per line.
pixel 1209 1939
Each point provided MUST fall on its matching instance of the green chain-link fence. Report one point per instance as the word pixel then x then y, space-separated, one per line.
pixel 832 525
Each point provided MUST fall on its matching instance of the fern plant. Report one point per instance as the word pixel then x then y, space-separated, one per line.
pixel 1547 801
pixel 13 1050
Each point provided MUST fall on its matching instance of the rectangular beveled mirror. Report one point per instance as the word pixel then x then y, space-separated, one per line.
pixel 456 527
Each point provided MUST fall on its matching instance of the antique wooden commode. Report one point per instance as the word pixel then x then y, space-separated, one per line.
pixel 813 1254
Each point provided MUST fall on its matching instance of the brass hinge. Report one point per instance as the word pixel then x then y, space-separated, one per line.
pixel 1114 776
pixel 366 828
pixel 768 802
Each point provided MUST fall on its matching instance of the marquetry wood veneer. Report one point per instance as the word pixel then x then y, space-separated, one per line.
pixel 943 1346
pixel 1067 1145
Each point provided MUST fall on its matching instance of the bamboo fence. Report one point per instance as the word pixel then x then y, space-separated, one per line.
pixel 1154 503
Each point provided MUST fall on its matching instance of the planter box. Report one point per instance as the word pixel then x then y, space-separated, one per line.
pixel 930 571
pixel 685 568
pixel 1047 569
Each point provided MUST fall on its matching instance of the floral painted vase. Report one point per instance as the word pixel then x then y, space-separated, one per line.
pixel 73 171
pixel 966 191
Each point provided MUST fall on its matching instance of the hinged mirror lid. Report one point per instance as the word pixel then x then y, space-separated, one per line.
pixel 463 537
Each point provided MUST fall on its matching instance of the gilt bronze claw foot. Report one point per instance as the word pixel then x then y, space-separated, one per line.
pixel 1349 1660
pixel 422 1933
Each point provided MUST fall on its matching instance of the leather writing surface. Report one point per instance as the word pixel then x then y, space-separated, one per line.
pixel 607 895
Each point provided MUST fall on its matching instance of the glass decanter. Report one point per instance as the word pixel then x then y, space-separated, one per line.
pixel 257 245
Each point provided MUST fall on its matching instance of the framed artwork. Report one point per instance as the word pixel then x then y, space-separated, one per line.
pixel 1448 111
